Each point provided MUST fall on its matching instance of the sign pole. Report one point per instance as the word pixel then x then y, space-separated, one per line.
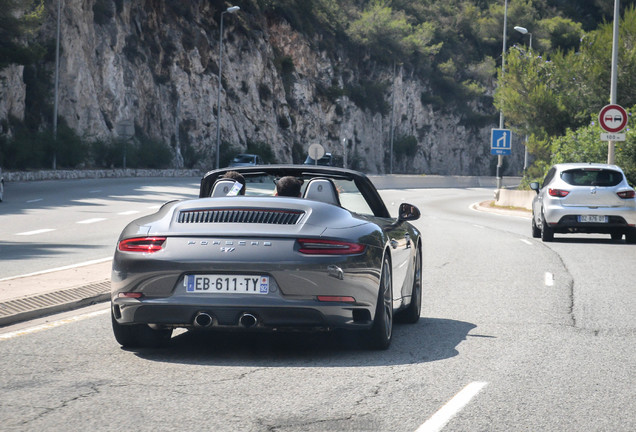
pixel 503 71
pixel 611 158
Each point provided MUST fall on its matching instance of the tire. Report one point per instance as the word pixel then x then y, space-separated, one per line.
pixel 630 237
pixel 381 333
pixel 547 233
pixel 536 232
pixel 139 335
pixel 1 190
pixel 411 314
pixel 617 236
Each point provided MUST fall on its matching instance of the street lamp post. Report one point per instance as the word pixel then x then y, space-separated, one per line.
pixel 503 71
pixel 524 31
pixel 611 156
pixel 391 126
pixel 57 80
pixel 231 9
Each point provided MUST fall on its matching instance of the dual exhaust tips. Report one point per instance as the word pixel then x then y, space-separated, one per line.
pixel 204 320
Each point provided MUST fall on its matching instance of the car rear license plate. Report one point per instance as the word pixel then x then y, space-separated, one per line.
pixel 592 219
pixel 227 284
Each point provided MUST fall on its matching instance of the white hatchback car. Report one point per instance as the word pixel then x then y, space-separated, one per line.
pixel 584 198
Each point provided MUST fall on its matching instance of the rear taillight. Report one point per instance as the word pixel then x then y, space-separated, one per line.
pixel 134 295
pixel 559 193
pixel 338 299
pixel 142 244
pixel 626 194
pixel 329 247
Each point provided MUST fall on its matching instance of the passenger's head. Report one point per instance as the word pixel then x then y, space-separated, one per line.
pixel 236 176
pixel 288 186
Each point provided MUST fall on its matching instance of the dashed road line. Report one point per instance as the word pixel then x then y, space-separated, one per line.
pixel 51 325
pixel 128 213
pixel 68 267
pixel 35 200
pixel 90 221
pixel 528 242
pixel 549 279
pixel 40 231
pixel 441 418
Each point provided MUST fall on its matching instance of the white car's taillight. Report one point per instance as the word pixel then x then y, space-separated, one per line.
pixel 559 193
pixel 626 194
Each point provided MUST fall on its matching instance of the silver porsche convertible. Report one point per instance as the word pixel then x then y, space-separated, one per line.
pixel 332 258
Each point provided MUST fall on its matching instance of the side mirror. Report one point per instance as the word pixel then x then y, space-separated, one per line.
pixel 408 212
pixel 535 186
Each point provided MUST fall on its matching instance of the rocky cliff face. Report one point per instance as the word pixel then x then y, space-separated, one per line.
pixel 154 65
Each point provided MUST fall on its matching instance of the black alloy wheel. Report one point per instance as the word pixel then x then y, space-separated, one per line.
pixel 547 233
pixel 381 333
pixel 536 231
pixel 411 314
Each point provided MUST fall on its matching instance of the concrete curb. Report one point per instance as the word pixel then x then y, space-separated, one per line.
pixel 515 198
pixel 38 306
pixel 487 207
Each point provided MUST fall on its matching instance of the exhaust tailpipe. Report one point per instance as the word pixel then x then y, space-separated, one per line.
pixel 247 320
pixel 203 320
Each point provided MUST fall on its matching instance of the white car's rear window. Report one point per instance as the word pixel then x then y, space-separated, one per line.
pixel 592 177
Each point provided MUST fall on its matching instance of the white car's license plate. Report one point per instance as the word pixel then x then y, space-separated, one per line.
pixel 226 284
pixel 592 219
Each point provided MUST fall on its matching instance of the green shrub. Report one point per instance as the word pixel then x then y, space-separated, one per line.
pixel 264 92
pixel 106 153
pixel 370 95
pixel 405 146
pixel 153 153
pixel 69 149
pixel 262 149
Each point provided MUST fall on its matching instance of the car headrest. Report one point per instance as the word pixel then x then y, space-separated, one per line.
pixel 226 187
pixel 322 189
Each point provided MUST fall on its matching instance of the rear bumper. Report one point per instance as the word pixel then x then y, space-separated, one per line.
pixel 565 218
pixel 304 315
pixel 570 223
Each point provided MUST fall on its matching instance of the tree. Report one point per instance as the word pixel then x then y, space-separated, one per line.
pixel 18 21
pixel 390 35
pixel 546 97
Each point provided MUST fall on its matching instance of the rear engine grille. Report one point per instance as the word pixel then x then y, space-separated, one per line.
pixel 253 216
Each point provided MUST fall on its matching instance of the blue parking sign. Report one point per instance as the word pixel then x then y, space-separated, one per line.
pixel 500 141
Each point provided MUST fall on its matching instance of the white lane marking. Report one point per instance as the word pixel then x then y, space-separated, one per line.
pixel 40 231
pixel 529 243
pixel 478 226
pixel 129 212
pixel 95 191
pixel 35 200
pixel 68 267
pixel 549 279
pixel 452 408
pixel 51 325
pixel 90 221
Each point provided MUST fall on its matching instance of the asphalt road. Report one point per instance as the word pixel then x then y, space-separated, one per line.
pixel 52 224
pixel 515 335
